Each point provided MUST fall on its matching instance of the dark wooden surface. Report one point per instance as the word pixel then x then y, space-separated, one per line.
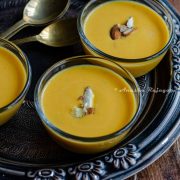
pixel 165 168
pixel 168 166
pixel 176 4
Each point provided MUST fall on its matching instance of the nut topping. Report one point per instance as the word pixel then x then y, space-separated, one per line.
pixel 86 107
pixel 115 32
pixel 128 32
pixel 130 22
pixel 123 28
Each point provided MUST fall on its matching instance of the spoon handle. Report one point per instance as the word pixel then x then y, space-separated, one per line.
pixel 13 29
pixel 25 40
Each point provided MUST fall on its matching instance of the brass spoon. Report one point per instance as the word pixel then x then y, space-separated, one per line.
pixel 58 34
pixel 38 12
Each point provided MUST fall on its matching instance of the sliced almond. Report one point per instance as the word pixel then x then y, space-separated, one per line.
pixel 78 112
pixel 115 32
pixel 130 22
pixel 123 28
pixel 128 31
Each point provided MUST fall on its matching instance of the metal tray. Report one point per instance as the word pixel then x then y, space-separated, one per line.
pixel 26 151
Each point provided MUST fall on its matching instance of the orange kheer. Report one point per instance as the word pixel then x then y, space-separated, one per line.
pixel 12 81
pixel 114 107
pixel 150 34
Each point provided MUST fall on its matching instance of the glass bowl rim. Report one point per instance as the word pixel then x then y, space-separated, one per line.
pixel 29 74
pixel 71 136
pixel 125 60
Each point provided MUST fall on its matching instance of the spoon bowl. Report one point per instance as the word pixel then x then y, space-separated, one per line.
pixel 58 34
pixel 62 33
pixel 38 12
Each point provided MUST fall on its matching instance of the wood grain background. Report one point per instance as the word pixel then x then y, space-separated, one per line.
pixel 168 166
pixel 176 4
pixel 165 168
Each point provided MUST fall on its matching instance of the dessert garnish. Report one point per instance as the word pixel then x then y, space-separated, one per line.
pixel 130 22
pixel 86 107
pixel 117 31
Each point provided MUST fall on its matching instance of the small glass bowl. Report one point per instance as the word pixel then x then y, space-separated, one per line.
pixel 82 144
pixel 137 67
pixel 8 111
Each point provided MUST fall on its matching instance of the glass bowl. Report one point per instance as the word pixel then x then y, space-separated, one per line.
pixel 10 110
pixel 79 144
pixel 137 67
